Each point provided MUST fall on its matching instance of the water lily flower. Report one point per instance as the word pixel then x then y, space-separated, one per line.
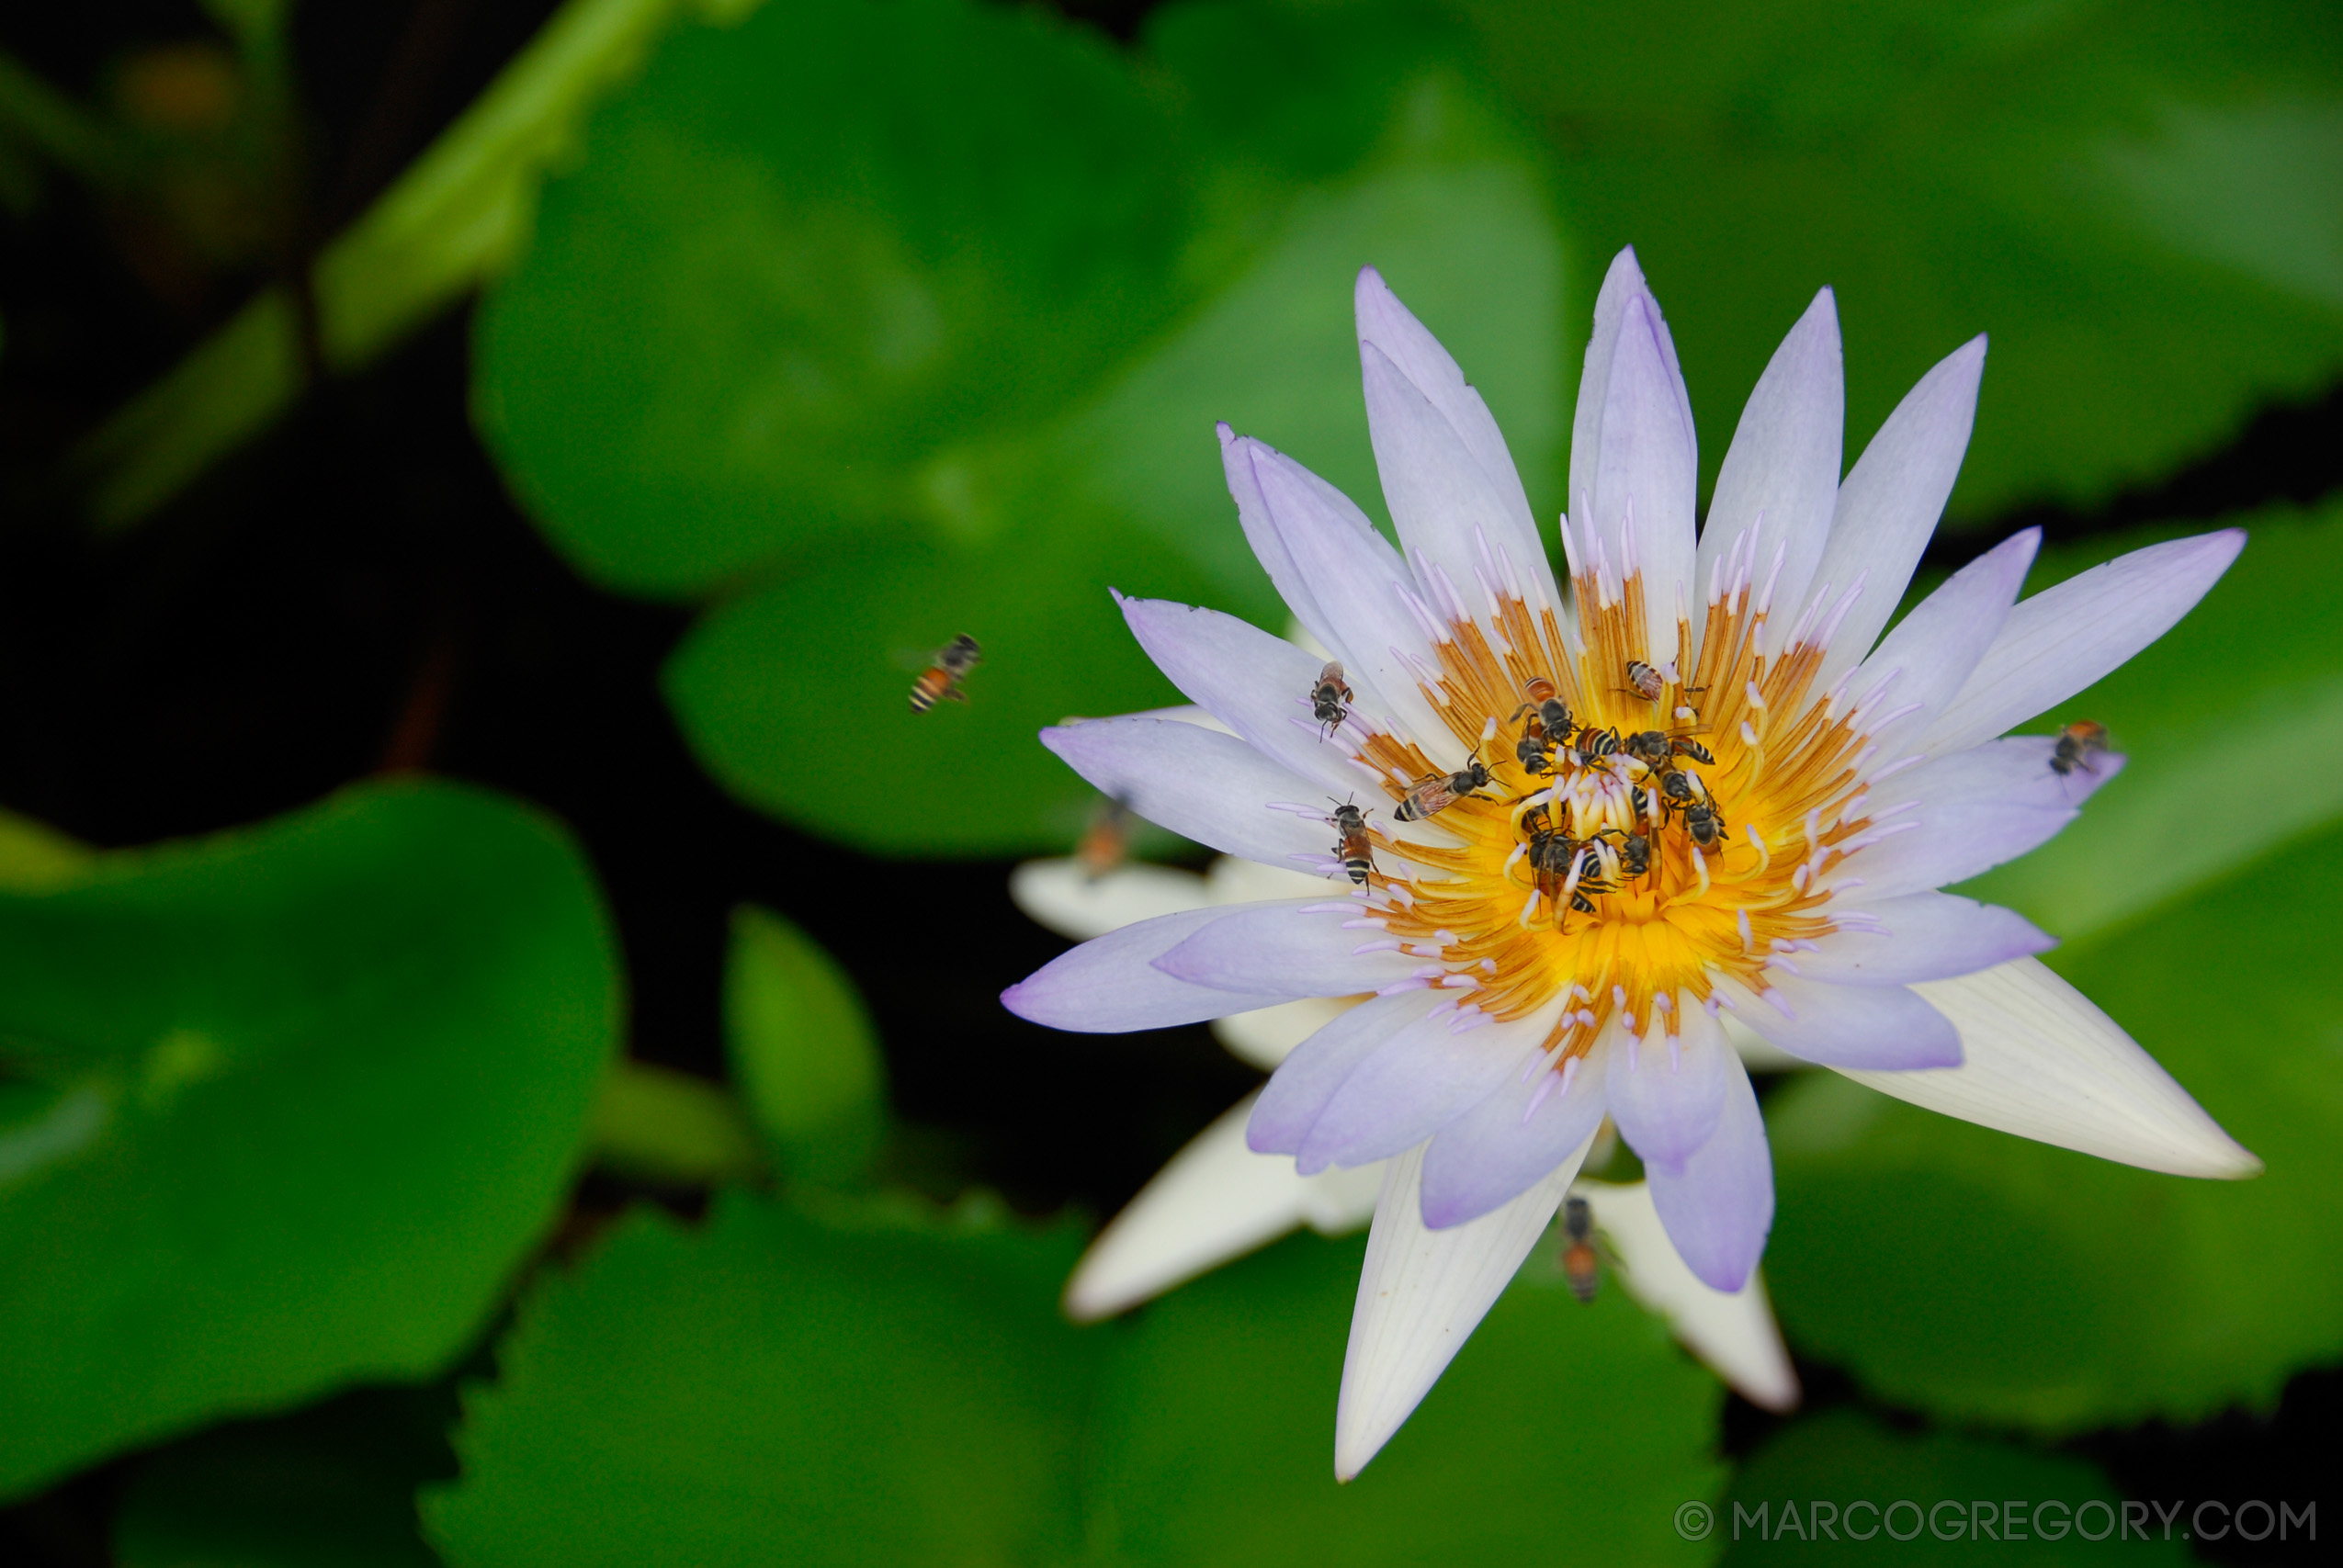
pixel 1218 1200
pixel 1702 784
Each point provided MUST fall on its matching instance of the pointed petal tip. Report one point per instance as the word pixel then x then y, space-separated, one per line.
pixel 1226 432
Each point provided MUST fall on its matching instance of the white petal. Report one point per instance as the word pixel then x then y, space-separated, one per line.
pixel 1216 1199
pixel 1063 896
pixel 1890 504
pixel 1257 684
pixel 1232 880
pixel 1970 811
pixel 1918 666
pixel 1288 951
pixel 1780 475
pixel 1922 936
pixel 1268 544
pixel 1364 592
pixel 2042 1062
pixel 2071 634
pixel 1203 785
pixel 1422 1293
pixel 1733 1332
pixel 1266 1036
pixel 1648 473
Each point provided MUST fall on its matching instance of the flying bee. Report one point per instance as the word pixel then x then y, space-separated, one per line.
pixel 1708 827
pixel 1330 698
pixel 1438 792
pixel 1579 1265
pixel 1352 850
pixel 2077 744
pixel 1107 842
pixel 1644 681
pixel 942 679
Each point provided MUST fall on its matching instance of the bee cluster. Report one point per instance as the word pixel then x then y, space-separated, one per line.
pixel 1573 856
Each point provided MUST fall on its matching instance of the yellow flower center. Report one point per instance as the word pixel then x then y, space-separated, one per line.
pixel 1669 839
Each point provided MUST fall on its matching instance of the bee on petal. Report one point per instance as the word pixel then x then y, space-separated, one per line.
pixel 1352 850
pixel 1438 792
pixel 2077 744
pixel 1331 699
pixel 942 679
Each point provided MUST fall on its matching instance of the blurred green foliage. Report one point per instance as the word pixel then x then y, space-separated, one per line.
pixel 282 1109
pixel 856 326
pixel 885 1384
pixel 1984 1277
pixel 1973 1497
pixel 803 1050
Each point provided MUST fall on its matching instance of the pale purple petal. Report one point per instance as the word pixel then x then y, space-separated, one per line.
pixel 1922 936
pixel 1623 281
pixel 1202 785
pixel 1411 1085
pixel 1519 1134
pixel 1919 666
pixel 1969 812
pixel 1422 1293
pixel 1444 402
pixel 2068 636
pixel 1110 985
pixel 1257 684
pixel 1365 591
pixel 1890 504
pixel 1268 546
pixel 1780 475
pixel 1879 1028
pixel 1666 1091
pixel 1284 951
pixel 1298 1092
pixel 1647 473
pixel 1720 1206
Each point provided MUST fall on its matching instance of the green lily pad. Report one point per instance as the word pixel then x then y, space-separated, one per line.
pixel 779 1389
pixel 1217 1430
pixel 2137 200
pixel 283 1108
pixel 1841 1487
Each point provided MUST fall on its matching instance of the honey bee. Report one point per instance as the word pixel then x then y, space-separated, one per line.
pixel 1656 750
pixel 1635 854
pixel 1550 723
pixel 1592 745
pixel 1644 681
pixel 2077 744
pixel 1353 851
pixel 942 678
pixel 1553 855
pixel 1435 794
pixel 1330 698
pixel 1107 842
pixel 1579 1265
pixel 1708 827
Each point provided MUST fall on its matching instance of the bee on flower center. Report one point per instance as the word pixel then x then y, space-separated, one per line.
pixel 1331 699
pixel 1550 723
pixel 942 679
pixel 1644 681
